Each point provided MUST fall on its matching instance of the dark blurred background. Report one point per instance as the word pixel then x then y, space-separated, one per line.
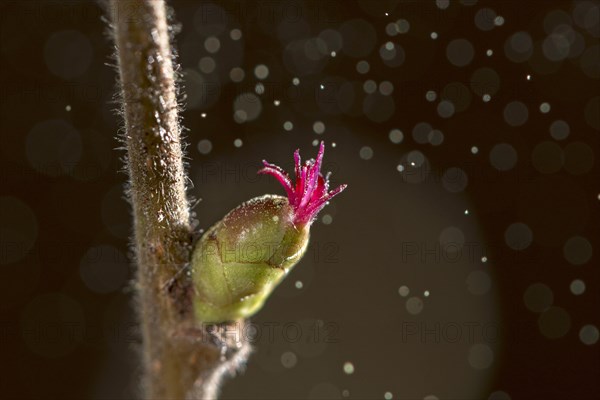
pixel 461 263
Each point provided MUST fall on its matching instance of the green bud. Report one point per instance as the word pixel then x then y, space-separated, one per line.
pixel 239 261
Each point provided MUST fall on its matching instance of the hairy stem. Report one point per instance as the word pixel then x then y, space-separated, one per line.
pixel 181 358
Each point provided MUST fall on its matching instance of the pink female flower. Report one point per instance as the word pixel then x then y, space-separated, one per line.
pixel 309 194
pixel 240 260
